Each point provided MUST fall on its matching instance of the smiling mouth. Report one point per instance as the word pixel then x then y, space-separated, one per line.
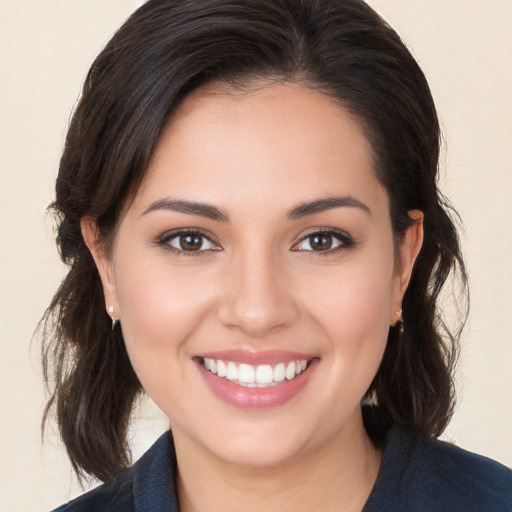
pixel 259 376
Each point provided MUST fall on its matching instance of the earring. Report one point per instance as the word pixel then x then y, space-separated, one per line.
pixel 400 320
pixel 115 321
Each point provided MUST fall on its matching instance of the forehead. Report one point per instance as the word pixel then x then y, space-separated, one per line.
pixel 273 144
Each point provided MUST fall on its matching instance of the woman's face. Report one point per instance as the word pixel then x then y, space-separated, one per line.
pixel 260 240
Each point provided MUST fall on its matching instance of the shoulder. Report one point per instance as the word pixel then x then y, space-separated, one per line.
pixel 430 475
pixel 478 479
pixel 148 486
pixel 470 466
pixel 115 496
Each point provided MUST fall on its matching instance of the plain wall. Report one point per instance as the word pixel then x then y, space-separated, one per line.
pixel 46 47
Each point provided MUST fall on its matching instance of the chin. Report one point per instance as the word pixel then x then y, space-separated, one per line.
pixel 256 455
pixel 252 444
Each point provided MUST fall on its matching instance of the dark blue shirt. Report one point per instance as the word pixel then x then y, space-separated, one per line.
pixel 415 476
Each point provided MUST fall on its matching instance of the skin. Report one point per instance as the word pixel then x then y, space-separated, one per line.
pixel 259 286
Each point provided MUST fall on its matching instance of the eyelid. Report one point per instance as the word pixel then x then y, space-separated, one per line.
pixel 346 241
pixel 164 239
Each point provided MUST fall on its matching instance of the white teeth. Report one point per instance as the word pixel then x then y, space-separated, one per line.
pixel 221 368
pixel 279 373
pixel 260 376
pixel 264 374
pixel 246 373
pixel 232 371
pixel 290 371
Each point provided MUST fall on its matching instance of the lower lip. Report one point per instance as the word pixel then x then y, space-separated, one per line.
pixel 257 398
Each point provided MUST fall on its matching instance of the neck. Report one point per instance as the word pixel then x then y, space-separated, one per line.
pixel 337 476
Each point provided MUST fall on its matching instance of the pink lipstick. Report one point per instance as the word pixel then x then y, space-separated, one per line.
pixel 255 380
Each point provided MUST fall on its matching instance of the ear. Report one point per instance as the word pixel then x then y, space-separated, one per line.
pixel 104 265
pixel 406 257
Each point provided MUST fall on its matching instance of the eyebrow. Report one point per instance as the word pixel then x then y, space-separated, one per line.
pixel 321 205
pixel 189 207
pixel 214 213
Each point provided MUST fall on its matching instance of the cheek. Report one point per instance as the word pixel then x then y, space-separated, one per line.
pixel 354 299
pixel 352 309
pixel 160 308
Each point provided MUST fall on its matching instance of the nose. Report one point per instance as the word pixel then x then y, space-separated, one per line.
pixel 258 298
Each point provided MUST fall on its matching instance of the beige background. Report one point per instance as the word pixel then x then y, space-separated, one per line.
pixel 46 47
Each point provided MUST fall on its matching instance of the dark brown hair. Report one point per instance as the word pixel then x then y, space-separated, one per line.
pixel 169 48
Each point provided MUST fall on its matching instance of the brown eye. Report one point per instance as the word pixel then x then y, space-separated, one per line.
pixel 323 241
pixel 190 242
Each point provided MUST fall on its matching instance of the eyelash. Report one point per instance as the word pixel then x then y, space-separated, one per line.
pixel 345 242
pixel 165 242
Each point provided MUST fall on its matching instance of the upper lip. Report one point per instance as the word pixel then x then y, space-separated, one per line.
pixel 255 358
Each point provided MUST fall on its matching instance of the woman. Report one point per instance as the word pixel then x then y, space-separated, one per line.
pixel 248 204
